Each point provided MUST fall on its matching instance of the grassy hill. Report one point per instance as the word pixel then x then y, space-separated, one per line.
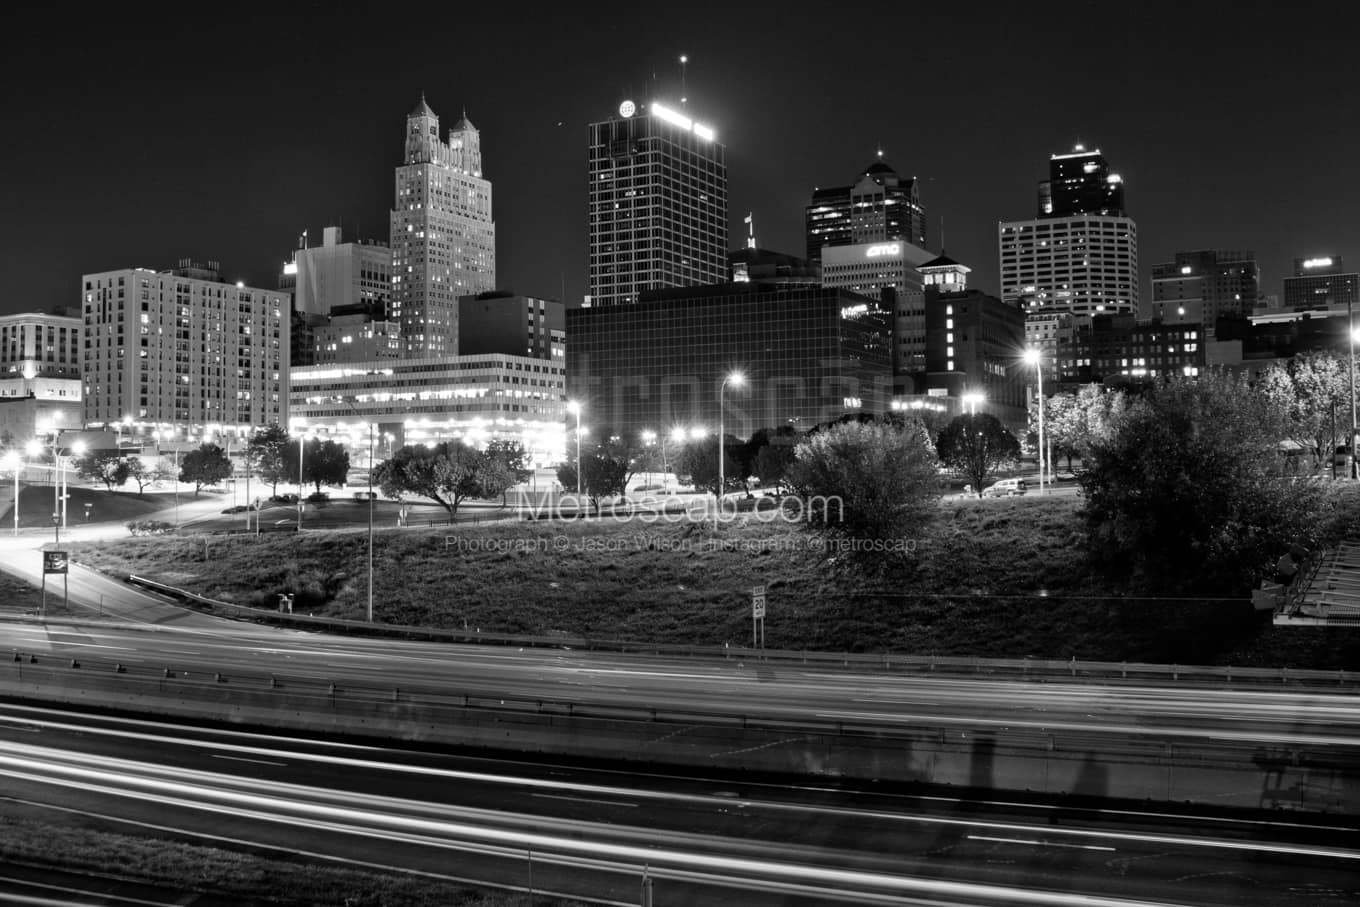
pixel 994 579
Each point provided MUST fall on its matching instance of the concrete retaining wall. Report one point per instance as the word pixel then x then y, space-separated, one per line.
pixel 1317 780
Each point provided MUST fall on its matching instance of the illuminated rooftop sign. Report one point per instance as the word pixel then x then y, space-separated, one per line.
pixel 1318 263
pixel 882 249
pixel 662 112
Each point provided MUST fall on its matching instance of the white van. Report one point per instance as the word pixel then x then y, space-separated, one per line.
pixel 1005 488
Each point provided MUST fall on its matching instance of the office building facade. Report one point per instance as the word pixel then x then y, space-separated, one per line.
pixel 442 236
pixel 183 348
pixel 1202 286
pixel 474 399
pixel 1080 255
pixel 1321 283
pixel 887 271
pixel 974 346
pixel 503 322
pixel 339 274
pixel 879 207
pixel 807 355
pixel 657 204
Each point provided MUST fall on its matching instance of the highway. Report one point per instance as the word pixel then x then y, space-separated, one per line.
pixel 1244 715
pixel 589 833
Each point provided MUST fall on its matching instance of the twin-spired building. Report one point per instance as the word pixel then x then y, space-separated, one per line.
pixel 442 235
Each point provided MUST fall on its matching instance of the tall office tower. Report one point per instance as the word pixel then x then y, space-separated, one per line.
pixel 443 240
pixel 1320 283
pixel 879 206
pixel 658 204
pixel 183 349
pixel 1200 287
pixel 1080 183
pixel 1080 255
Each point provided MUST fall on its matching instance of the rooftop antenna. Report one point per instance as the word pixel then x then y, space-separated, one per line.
pixel 751 230
pixel 684 59
pixel 941 234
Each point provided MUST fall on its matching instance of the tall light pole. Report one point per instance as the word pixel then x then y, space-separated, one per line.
pixel 574 406
pixel 971 400
pixel 1035 358
pixel 736 379
pixel 78 449
pixel 302 444
pixel 372 428
pixel 1350 362
pixel 15 461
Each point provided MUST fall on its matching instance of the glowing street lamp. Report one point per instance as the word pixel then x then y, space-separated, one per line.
pixel 574 406
pixel 736 379
pixel 15 461
pixel 1034 358
pixel 972 400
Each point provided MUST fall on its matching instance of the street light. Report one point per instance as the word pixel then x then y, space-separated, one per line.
pixel 15 460
pixel 736 379
pixel 78 449
pixel 575 407
pixel 302 444
pixel 1035 358
pixel 372 428
pixel 1351 336
pixel 971 400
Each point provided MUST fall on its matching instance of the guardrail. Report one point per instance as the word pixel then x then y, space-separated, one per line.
pixel 1021 668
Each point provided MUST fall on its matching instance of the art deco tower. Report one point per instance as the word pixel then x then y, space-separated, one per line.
pixel 442 236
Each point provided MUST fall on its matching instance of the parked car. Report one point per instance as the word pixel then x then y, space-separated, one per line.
pixel 1005 488
pixel 284 499
pixel 239 508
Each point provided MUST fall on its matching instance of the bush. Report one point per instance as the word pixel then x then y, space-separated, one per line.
pixel 150 527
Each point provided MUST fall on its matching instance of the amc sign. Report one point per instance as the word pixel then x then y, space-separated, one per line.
pixel 882 249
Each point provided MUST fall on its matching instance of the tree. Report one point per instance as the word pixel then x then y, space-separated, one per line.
pixel 207 465
pixel 771 460
pixel 513 459
pixel 977 445
pixel 144 475
pixel 699 459
pixel 105 466
pixel 1186 494
pixel 872 481
pixel 266 452
pixel 1310 388
pixel 448 473
pixel 323 463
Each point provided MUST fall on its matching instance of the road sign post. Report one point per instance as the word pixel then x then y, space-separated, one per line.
pixel 757 617
pixel 56 562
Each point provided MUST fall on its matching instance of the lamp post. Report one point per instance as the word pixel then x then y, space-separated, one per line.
pixel 574 406
pixel 1035 358
pixel 736 379
pixel 302 444
pixel 372 436
pixel 78 449
pixel 15 461
pixel 971 400
pixel 1350 334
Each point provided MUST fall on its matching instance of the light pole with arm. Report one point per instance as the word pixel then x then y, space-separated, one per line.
pixel 735 379
pixel 16 461
pixel 574 406
pixel 1350 334
pixel 1035 358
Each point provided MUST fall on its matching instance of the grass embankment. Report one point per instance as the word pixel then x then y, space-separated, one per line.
pixel 247 878
pixel 988 579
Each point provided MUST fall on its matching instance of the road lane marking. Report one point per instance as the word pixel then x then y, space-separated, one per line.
pixel 1039 843
pixel 585 800
pixel 244 759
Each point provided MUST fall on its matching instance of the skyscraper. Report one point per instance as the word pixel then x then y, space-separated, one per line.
pixel 1080 255
pixel 442 237
pixel 658 204
pixel 878 207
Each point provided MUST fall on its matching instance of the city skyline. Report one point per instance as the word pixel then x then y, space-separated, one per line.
pixel 1223 121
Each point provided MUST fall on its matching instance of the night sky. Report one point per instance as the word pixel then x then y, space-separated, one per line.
pixel 139 140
